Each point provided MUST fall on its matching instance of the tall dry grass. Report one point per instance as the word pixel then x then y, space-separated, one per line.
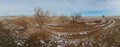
pixel 75 18
pixel 40 17
pixel 62 20
pixel 1 26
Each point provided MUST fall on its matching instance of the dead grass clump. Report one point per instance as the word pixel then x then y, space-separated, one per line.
pixel 5 38
pixel 1 26
pixel 75 18
pixel 36 38
pixel 19 23
pixel 62 20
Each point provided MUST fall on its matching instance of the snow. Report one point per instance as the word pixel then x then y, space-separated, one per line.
pixel 59 46
pixel 83 33
pixel 42 41
pixel 58 34
pixel 91 23
pixel 18 43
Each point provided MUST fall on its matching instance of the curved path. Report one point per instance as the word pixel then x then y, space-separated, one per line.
pixel 104 26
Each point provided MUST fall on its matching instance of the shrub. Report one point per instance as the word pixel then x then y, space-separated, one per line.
pixel 75 18
pixel 40 17
pixel 62 20
pixel 1 26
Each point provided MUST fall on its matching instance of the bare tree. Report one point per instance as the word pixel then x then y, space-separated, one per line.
pixel 62 19
pixel 40 17
pixel 75 18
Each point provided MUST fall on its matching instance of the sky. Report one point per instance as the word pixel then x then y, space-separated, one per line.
pixel 58 7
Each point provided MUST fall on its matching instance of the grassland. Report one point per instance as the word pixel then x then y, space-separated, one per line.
pixel 42 30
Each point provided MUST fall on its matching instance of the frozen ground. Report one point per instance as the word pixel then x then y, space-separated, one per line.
pixel 33 37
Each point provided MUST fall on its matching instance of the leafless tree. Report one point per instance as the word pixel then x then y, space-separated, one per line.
pixel 75 17
pixel 40 17
pixel 62 19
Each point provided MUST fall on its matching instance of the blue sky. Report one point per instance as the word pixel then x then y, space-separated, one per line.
pixel 67 7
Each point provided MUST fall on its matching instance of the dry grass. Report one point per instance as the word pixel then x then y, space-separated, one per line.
pixel 42 35
pixel 1 26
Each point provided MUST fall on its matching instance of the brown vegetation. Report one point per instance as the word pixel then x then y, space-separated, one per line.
pixel 1 26
pixel 65 31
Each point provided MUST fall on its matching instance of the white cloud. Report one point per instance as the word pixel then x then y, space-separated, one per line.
pixel 115 4
pixel 59 6
pixel 69 6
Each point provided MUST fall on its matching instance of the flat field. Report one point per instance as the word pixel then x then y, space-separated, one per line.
pixel 51 31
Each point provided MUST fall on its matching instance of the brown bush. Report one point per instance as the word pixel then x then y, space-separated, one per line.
pixel 62 20
pixel 1 26
pixel 75 18
pixel 5 37
pixel 40 17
